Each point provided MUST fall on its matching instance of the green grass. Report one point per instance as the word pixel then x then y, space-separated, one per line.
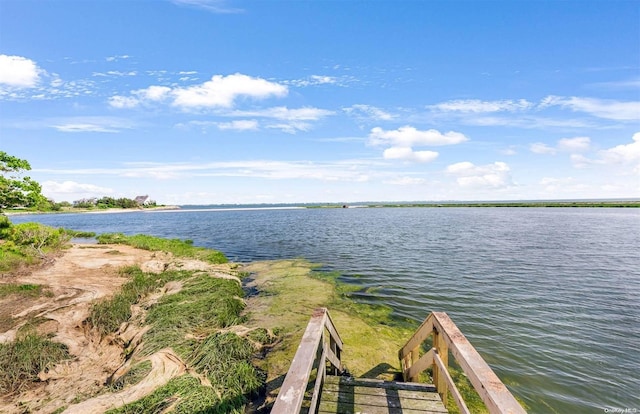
pixel 190 322
pixel 133 376
pixel 203 306
pixel 22 290
pixel 22 360
pixel 189 396
pixel 27 244
pixel 107 315
pixel 79 234
pixel 180 248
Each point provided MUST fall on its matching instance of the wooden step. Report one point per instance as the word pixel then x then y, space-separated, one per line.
pixel 347 395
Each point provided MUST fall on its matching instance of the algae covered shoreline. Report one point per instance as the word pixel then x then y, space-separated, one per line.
pixel 177 328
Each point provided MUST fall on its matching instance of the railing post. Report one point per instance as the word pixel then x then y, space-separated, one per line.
pixel 439 379
pixel 415 355
pixel 333 346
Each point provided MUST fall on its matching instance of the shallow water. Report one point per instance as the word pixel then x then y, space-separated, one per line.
pixel 549 296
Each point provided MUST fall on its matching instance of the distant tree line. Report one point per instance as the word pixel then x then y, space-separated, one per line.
pixel 18 191
pixel 110 202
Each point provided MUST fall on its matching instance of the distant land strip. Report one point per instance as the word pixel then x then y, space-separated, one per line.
pixel 592 204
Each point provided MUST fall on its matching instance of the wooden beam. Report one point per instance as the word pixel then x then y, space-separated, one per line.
pixel 452 386
pixel 292 391
pixel 493 392
pixel 420 365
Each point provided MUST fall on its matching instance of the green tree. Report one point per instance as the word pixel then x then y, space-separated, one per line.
pixel 15 189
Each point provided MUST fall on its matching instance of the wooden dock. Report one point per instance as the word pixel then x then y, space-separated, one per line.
pixel 346 395
pixel 314 383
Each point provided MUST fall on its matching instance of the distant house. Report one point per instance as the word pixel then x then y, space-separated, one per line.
pixel 141 200
pixel 85 202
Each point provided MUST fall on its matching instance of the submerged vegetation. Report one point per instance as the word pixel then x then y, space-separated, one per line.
pixel 236 349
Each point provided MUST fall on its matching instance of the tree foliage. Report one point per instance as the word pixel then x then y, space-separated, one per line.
pixel 17 190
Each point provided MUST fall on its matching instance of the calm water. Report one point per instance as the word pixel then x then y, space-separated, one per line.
pixel 549 297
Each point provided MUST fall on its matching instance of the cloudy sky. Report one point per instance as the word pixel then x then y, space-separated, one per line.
pixel 275 101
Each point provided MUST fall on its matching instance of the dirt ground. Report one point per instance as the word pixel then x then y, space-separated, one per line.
pixel 83 274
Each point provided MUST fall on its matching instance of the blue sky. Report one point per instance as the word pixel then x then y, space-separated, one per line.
pixel 196 101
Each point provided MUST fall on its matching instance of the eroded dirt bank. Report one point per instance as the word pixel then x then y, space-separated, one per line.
pixel 82 275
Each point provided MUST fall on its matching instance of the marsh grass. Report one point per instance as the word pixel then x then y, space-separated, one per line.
pixel 107 315
pixel 187 395
pixel 28 244
pixel 179 248
pixel 190 322
pixel 26 290
pixel 133 376
pixel 22 360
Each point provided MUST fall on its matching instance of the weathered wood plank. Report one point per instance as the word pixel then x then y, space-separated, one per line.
pixel 332 393
pixel 444 373
pixel 420 365
pixel 493 392
pixel 291 393
pixel 353 395
pixel 333 382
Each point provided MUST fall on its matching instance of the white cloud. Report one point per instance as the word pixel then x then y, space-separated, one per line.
pixel 70 190
pixel 117 58
pixel 153 93
pixel 408 154
pixel 239 125
pixel 213 6
pixel 577 144
pixel 624 157
pixel 89 124
pixel 115 73
pixel 478 106
pixel 286 114
pixel 573 145
pixel 601 108
pixel 541 148
pixel 123 102
pixel 580 161
pixel 83 128
pixel 291 127
pixel 18 72
pixel 408 136
pixel 626 153
pixel 222 91
pixel 496 175
pixel 219 92
pixel 313 80
pixel 347 170
pixel 406 181
pixel 361 111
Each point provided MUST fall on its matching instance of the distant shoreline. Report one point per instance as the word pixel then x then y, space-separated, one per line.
pixel 91 211
pixel 249 207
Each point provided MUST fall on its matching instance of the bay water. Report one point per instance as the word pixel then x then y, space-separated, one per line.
pixel 550 297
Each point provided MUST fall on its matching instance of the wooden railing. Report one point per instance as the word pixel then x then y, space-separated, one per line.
pixel 316 349
pixel 447 337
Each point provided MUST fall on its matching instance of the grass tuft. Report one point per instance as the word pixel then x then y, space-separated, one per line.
pixel 177 247
pixel 189 322
pixel 26 290
pixel 189 396
pixel 23 359
pixel 133 376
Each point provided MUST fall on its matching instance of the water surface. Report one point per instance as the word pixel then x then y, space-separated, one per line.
pixel 549 296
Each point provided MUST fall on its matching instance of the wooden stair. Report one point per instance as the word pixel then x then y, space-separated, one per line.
pixel 312 384
pixel 346 395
